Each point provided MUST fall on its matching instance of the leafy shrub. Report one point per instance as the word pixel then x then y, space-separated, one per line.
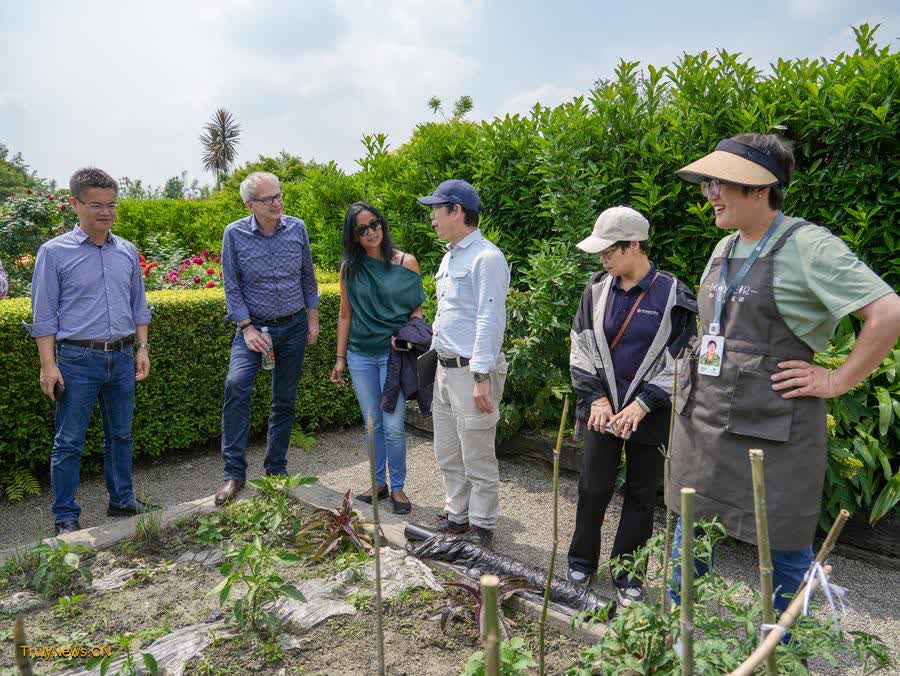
pixel 26 222
pixel 180 404
pixel 515 658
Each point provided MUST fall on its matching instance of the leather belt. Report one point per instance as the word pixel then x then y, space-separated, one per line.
pixel 277 320
pixel 453 362
pixel 114 346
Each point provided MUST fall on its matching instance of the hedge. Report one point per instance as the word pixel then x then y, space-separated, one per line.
pixel 180 404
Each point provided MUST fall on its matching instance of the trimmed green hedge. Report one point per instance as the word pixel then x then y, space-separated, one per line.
pixel 180 404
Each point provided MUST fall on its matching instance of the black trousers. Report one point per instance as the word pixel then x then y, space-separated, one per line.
pixel 643 475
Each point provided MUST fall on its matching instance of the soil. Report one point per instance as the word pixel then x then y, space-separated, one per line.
pixel 163 598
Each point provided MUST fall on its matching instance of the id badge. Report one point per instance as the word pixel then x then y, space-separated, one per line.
pixel 711 355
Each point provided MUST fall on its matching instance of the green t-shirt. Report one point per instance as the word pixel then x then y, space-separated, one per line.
pixel 818 280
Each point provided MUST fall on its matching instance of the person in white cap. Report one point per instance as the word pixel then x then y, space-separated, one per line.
pixel 771 296
pixel 632 322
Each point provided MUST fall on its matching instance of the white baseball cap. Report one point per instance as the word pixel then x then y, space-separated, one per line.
pixel 616 224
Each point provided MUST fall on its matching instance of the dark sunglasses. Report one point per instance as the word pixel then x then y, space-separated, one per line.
pixel 361 230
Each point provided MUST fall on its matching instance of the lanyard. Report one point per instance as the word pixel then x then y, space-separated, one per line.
pixel 723 292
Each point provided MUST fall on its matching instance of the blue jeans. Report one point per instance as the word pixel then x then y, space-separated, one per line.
pixel 369 373
pixel 92 377
pixel 289 339
pixel 790 565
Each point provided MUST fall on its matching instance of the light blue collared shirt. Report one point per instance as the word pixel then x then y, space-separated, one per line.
pixel 472 284
pixel 87 292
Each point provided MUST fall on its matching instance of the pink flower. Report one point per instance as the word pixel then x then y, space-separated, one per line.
pixel 50 197
pixel 217 260
pixel 197 260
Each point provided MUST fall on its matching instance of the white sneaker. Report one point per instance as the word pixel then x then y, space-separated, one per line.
pixel 578 578
pixel 628 595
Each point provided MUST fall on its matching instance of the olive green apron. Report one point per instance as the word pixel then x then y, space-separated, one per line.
pixel 720 418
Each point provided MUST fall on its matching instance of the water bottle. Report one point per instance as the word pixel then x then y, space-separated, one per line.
pixel 268 358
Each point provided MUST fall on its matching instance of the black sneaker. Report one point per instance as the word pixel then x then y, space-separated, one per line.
pixel 139 507
pixel 579 578
pixel 481 536
pixel 445 525
pixel 628 595
pixel 66 526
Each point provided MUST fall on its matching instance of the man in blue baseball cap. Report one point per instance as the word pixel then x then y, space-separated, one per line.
pixel 472 283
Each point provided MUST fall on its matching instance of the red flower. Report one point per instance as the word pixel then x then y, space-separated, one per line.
pixel 217 260
pixel 197 260
pixel 210 284
pixel 62 207
pixel 196 280
pixel 50 197
pixel 210 271
pixel 142 259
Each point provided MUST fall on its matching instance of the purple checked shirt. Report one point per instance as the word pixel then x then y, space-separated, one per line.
pixel 87 292
pixel 267 277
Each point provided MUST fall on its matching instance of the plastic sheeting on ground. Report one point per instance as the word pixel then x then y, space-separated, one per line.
pixel 461 552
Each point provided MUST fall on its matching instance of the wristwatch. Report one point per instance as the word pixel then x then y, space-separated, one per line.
pixel 480 377
pixel 138 346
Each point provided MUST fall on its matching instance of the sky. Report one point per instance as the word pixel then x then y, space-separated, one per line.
pixel 127 86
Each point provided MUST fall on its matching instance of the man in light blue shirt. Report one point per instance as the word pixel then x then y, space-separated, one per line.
pixel 472 283
pixel 89 316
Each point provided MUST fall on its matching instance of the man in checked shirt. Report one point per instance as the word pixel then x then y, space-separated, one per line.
pixel 269 282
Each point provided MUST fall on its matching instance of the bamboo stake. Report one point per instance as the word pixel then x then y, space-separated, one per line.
pixel 491 638
pixel 379 621
pixel 796 606
pixel 22 661
pixel 762 544
pixel 555 544
pixel 667 489
pixel 687 581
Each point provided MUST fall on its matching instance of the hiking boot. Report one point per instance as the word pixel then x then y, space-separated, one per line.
pixel 445 525
pixel 481 536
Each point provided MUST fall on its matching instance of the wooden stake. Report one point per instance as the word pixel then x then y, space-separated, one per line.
pixel 762 545
pixel 687 581
pixel 796 607
pixel 555 544
pixel 22 660
pixel 491 638
pixel 379 618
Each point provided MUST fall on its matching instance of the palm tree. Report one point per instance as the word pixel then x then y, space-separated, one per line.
pixel 220 140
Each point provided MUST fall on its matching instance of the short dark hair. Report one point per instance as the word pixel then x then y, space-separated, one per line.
pixel 470 217
pixel 780 150
pixel 713 343
pixel 625 244
pixel 91 177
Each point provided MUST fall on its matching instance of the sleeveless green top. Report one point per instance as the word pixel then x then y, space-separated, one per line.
pixel 382 301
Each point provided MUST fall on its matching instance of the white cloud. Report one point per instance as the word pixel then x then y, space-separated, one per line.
pixel 547 94
pixel 810 8
pixel 845 41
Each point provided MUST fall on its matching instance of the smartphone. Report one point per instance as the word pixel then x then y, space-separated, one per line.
pixel 403 346
pixel 59 391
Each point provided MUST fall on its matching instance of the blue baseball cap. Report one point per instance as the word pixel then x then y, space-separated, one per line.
pixel 454 191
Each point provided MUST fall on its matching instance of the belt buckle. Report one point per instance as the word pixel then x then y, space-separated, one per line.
pixel 108 347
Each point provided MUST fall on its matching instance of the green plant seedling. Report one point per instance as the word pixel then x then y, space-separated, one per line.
pixel 69 606
pixel 328 528
pixel 59 569
pixel 130 644
pixel 515 658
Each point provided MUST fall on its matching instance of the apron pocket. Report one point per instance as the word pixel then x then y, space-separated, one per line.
pixel 757 410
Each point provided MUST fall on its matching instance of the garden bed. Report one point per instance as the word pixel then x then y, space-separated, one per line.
pixel 161 592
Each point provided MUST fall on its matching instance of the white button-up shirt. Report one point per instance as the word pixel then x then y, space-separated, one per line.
pixel 472 284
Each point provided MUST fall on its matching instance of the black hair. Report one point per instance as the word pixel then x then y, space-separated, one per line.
pixel 353 251
pixel 780 150
pixel 625 244
pixel 91 177
pixel 470 218
pixel 713 343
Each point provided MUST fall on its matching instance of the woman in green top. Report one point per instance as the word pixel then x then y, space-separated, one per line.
pixel 381 289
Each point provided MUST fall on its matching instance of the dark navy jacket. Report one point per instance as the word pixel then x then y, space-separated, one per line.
pixel 401 369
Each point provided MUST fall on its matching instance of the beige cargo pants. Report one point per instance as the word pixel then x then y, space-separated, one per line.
pixel 464 444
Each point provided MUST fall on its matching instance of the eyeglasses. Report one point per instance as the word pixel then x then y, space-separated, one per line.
pixel 374 226
pixel 269 200
pixel 98 206
pixel 710 187
pixel 609 251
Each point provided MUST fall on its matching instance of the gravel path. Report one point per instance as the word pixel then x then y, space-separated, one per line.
pixel 524 529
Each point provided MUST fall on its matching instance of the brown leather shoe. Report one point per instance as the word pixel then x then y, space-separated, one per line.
pixel 228 491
